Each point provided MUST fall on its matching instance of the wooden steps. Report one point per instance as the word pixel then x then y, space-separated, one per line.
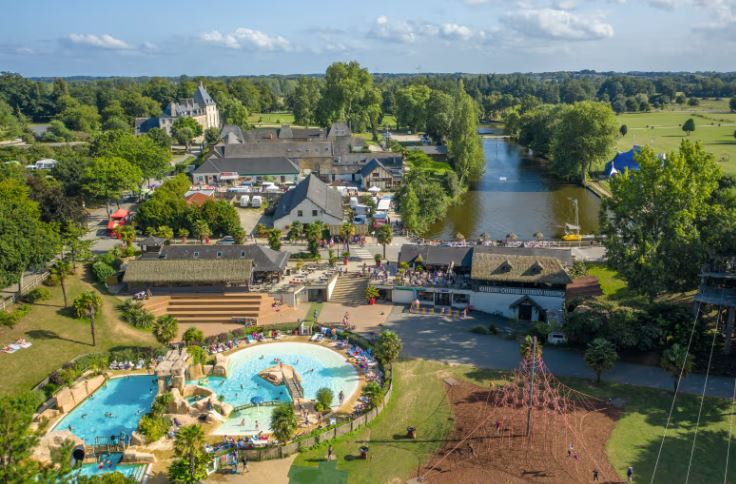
pixel 212 308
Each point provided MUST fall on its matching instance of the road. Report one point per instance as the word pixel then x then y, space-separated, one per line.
pixel 438 338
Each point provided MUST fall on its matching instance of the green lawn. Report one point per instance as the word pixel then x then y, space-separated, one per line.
pixel 661 131
pixel 57 337
pixel 638 433
pixel 418 399
pixel 271 119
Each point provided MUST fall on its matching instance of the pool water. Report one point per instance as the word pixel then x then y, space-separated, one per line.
pixel 132 471
pixel 317 366
pixel 127 398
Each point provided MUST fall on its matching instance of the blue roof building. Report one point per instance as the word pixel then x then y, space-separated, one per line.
pixel 622 162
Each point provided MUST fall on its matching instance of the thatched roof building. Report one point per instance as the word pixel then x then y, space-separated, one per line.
pixel 187 272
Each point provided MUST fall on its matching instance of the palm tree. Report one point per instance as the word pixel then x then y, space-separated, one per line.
pixel 346 231
pixel 274 239
pixel 193 335
pixel 60 269
pixel 384 235
pixel 202 230
pixel 88 304
pixel 283 422
pixel 165 329
pixel 676 361
pixel 192 458
pixel 183 234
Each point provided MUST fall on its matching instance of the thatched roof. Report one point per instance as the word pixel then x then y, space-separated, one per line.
pixel 188 270
pixel 517 268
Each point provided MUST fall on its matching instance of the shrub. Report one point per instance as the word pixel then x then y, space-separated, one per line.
pixel 38 294
pixel 51 281
pixel 387 347
pixel 153 427
pixel 324 399
pixel 193 335
pixel 11 318
pixel 374 393
pixel 480 330
pixel 103 271
pixel 492 329
pixel 159 405
pixel 134 313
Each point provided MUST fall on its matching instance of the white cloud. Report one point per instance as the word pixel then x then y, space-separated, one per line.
pixel 244 38
pixel 456 31
pixel 549 23
pixel 663 4
pixel 392 30
pixel 104 41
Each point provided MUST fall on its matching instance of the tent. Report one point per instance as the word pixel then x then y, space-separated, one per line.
pixel 622 162
pixel 374 189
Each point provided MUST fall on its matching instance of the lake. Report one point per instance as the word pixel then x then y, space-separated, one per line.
pixel 529 200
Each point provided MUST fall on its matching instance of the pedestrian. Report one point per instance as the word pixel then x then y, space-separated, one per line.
pixel 330 453
pixel 630 474
pixel 575 455
pixel 569 450
pixel 595 474
pixel 498 426
pixel 245 462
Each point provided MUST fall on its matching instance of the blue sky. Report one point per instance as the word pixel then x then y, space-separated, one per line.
pixel 214 37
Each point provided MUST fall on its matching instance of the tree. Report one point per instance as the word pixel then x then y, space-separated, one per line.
pixel 233 112
pixel 348 94
pixel 678 362
pixel 17 439
pixel 60 269
pixel 202 230
pixel 623 130
pixel 106 179
pixel 88 304
pixel 190 464
pixel 160 138
pixel 305 99
pixel 600 356
pixel 411 104
pixel 586 135
pixel 193 336
pixel 10 125
pixel 464 143
pixel 211 136
pixel 373 393
pixel 409 208
pixel 25 241
pixel 57 132
pixel 325 396
pixel 127 234
pixel 688 126
pixel 185 129
pixel 295 231
pixel 80 117
pixel 384 235
pixel 346 232
pixel 654 221
pixel 283 422
pixel 140 151
pixel 165 329
pixel 388 346
pixel 732 104
pixel 165 232
pixel 439 115
pixel 274 239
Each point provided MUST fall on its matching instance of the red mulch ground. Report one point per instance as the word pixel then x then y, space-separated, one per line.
pixel 476 452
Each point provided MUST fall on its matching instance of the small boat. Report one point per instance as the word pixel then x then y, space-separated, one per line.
pixel 572 237
pixel 502 179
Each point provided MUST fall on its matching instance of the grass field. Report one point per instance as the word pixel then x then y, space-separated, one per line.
pixel 271 119
pixel 57 338
pixel 418 399
pixel 661 131
pixel 638 433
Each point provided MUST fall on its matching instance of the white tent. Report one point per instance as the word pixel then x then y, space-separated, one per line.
pixel 374 189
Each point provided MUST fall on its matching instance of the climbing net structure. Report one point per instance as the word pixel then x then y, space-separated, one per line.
pixel 529 427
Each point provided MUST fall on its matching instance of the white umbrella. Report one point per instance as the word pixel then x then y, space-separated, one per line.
pixel 374 189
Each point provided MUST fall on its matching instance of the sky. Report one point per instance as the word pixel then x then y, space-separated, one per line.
pixel 251 37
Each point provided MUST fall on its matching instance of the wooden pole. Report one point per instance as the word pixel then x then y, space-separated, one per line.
pixel 531 387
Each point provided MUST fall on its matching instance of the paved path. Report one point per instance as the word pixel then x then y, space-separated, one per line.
pixel 438 338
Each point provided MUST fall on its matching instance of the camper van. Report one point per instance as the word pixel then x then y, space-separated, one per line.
pixel 256 201
pixel 244 201
pixel 353 202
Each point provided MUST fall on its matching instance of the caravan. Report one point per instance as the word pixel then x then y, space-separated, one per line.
pixel 256 201
pixel 244 201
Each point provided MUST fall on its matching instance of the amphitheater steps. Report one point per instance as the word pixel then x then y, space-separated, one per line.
pixel 349 290
pixel 212 308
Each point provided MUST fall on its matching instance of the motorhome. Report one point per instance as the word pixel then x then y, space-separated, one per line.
pixel 256 202
pixel 244 201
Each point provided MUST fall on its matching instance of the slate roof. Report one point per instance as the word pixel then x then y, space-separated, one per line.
pixel 286 148
pixel 436 256
pixel 202 97
pixel 274 165
pixel 263 258
pixel 315 190
pixel 564 255
pixel 232 134
pixel 339 129
pixel 518 268
pixel 195 271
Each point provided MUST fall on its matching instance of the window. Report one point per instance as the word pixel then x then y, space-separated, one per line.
pixel 196 255
pixel 314 213
pixel 242 254
pixel 299 213
pixel 219 254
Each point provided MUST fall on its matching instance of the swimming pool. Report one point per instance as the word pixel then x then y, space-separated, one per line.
pixel 127 399
pixel 132 471
pixel 316 365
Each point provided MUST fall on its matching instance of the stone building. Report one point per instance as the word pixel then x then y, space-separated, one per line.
pixel 202 108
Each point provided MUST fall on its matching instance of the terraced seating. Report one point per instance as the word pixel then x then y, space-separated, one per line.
pixel 212 308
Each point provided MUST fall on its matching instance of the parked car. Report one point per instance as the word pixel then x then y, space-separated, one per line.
pixel 227 240
pixel 360 219
pixel 244 201
pixel 256 201
pixel 556 338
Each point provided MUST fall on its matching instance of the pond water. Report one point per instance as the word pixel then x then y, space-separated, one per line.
pixel 517 195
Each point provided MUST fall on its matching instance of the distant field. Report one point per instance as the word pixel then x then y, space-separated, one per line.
pixel 661 131
pixel 271 119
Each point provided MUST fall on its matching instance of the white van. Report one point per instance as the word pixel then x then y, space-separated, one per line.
pixel 353 201
pixel 256 201
pixel 244 201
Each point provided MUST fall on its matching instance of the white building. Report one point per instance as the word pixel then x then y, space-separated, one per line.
pixel 202 108
pixel 309 201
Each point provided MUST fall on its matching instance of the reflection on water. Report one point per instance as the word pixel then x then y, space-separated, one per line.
pixel 516 195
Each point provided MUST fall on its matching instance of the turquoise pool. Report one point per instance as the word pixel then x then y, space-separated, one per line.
pixel 317 365
pixel 132 471
pixel 127 398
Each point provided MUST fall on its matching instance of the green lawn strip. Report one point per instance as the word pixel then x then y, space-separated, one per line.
pixel 638 433
pixel 271 119
pixel 309 318
pixel 57 337
pixel 418 399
